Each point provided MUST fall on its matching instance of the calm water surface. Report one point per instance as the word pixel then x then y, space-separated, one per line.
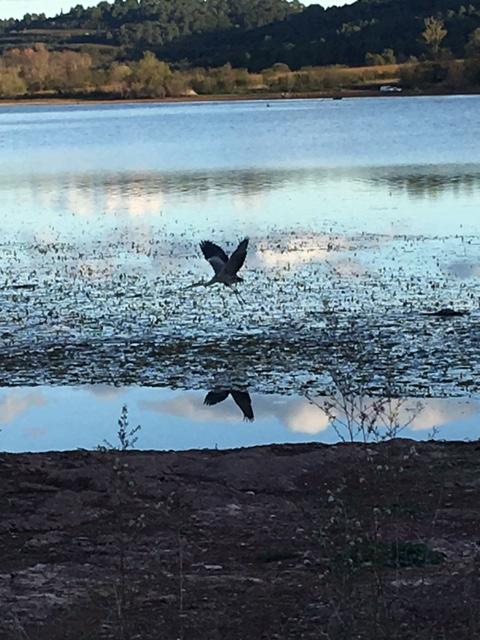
pixel 63 418
pixel 363 216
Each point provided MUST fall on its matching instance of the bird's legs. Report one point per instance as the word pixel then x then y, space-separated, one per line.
pixel 195 284
pixel 239 297
pixel 203 283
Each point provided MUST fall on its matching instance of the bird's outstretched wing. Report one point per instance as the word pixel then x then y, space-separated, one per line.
pixel 215 255
pixel 236 260
pixel 242 399
pixel 216 396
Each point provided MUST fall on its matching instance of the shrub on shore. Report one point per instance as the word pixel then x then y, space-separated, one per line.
pixel 37 71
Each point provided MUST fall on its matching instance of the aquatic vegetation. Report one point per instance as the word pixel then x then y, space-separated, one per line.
pixel 116 311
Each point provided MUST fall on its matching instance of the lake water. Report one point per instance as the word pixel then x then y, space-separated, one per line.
pixel 363 218
pixel 61 418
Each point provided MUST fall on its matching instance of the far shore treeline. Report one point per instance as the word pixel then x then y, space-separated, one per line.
pixel 168 48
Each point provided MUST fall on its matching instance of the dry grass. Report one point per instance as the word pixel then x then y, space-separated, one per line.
pixel 56 32
pixel 334 77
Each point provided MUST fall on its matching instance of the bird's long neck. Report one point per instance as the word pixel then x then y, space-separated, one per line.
pixel 202 283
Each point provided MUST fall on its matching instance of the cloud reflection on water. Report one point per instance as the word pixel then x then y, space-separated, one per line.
pixel 15 402
pixel 438 412
pixel 295 413
pixel 135 195
pixel 300 416
pixel 66 418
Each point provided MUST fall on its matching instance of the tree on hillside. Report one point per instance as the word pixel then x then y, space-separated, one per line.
pixel 434 34
pixel 11 84
pixel 375 59
pixel 70 70
pixel 254 33
pixel 40 69
pixel 472 58
pixel 472 50
pixel 149 77
pixel 118 76
pixel 33 64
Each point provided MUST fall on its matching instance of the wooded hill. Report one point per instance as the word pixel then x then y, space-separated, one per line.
pixel 253 34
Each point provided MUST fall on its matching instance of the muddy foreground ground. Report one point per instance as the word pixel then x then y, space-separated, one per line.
pixel 305 541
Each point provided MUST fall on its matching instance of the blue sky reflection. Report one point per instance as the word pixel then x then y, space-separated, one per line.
pixel 62 418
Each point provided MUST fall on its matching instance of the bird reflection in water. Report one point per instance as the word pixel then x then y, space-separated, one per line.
pixel 241 399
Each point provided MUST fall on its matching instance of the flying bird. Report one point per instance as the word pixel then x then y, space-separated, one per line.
pixel 241 398
pixel 225 268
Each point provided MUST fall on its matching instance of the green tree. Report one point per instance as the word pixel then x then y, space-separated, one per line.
pixel 149 77
pixel 386 57
pixel 11 84
pixel 434 34
pixel 389 56
pixel 472 58
pixel 118 76
pixel 472 50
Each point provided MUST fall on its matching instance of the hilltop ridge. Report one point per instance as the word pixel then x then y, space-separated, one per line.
pixel 251 33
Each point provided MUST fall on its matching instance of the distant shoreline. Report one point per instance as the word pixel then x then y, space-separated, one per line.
pixel 327 95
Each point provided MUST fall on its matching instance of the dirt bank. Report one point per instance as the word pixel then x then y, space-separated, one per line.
pixel 305 541
pixel 234 97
